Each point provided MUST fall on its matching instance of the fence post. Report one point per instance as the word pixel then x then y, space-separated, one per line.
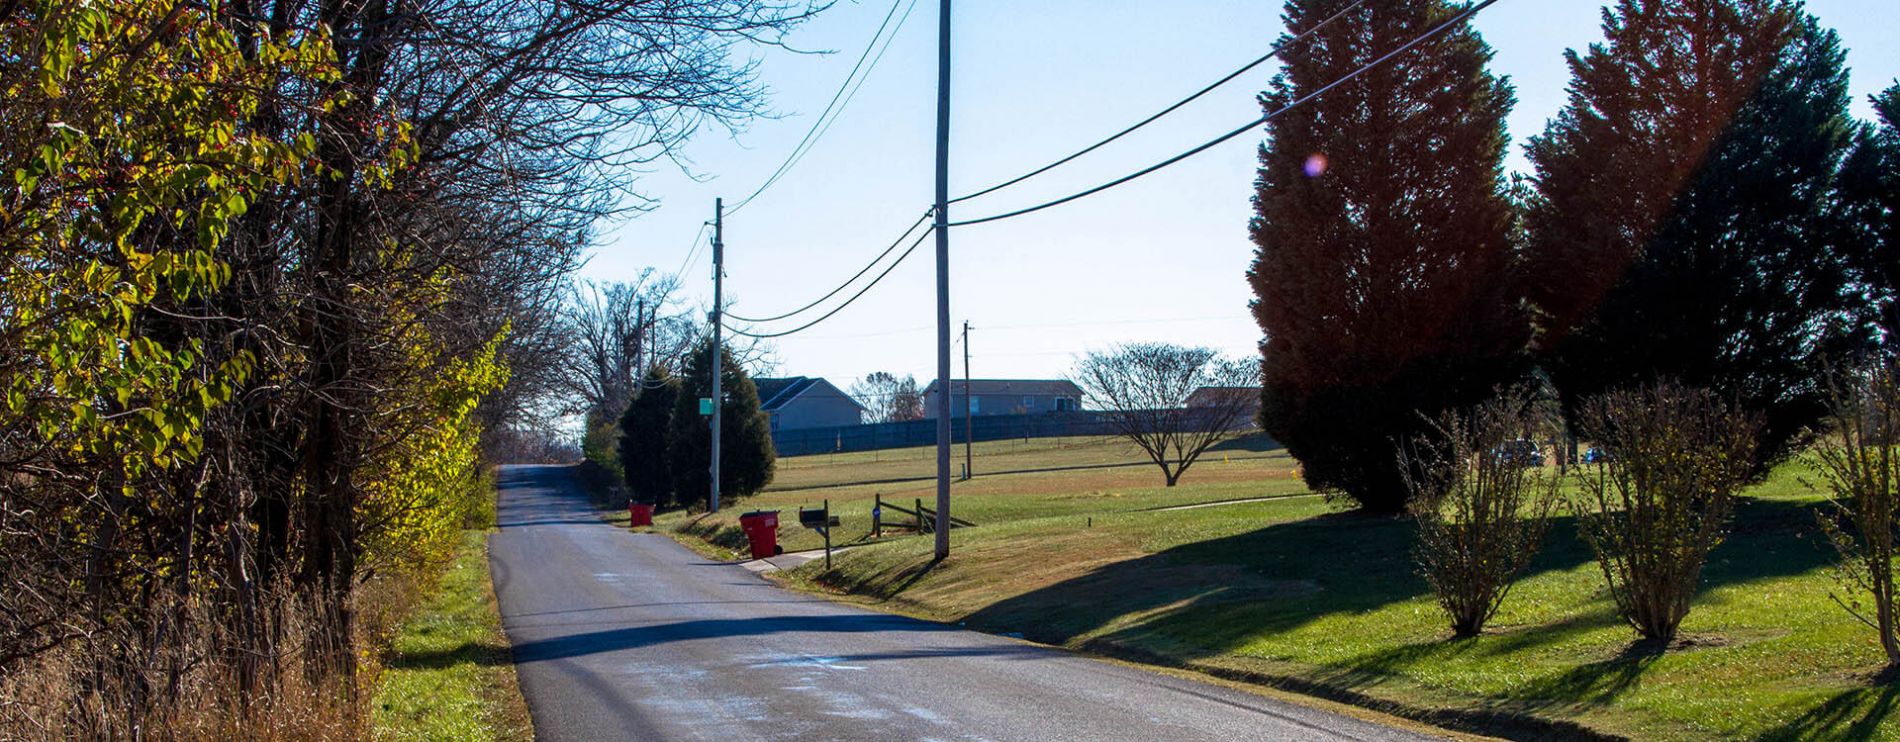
pixel 919 512
pixel 877 516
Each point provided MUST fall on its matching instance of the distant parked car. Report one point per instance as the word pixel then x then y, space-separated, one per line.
pixel 1521 452
pixel 1595 455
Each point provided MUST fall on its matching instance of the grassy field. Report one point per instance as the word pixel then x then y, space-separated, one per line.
pixel 448 674
pixel 1016 481
pixel 1070 550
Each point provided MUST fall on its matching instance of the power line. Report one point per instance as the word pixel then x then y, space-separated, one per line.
pixel 847 283
pixel 693 251
pixel 813 134
pixel 1039 326
pixel 854 297
pixel 800 156
pixel 1170 109
pixel 879 333
pixel 1455 20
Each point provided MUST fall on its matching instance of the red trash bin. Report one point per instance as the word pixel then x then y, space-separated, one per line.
pixel 761 530
pixel 641 513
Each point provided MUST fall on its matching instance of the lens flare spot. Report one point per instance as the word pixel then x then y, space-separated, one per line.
pixel 1315 165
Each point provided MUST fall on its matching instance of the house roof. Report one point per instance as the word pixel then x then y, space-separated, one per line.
pixel 1024 387
pixel 774 394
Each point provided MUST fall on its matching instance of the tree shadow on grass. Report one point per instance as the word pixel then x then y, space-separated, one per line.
pixel 1215 597
pixel 1286 575
pixel 883 587
pixel 728 537
pixel 1854 714
pixel 1374 667
pixel 485 654
pixel 1591 683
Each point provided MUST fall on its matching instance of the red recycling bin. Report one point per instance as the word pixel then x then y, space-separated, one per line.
pixel 761 530
pixel 641 513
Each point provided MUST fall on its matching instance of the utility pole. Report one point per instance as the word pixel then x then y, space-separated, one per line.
pixel 718 352
pixel 639 344
pixel 943 279
pixel 969 425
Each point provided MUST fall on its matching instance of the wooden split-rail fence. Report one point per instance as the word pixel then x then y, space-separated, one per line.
pixel 922 519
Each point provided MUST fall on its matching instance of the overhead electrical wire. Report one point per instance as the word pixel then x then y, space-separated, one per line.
pixel 847 283
pixel 692 252
pixel 1244 69
pixel 833 108
pixel 822 124
pixel 1461 17
pixel 854 297
pixel 1455 20
pixel 800 156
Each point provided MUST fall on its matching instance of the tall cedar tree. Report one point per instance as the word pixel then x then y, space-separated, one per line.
pixel 643 436
pixel 1870 197
pixel 746 456
pixel 1680 224
pixel 1382 274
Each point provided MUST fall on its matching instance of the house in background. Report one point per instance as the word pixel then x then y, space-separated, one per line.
pixel 1208 396
pixel 799 402
pixel 1007 397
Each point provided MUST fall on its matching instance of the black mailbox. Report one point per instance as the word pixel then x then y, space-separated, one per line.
pixel 822 521
pixel 820 518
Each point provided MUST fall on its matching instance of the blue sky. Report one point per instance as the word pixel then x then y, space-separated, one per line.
pixel 1162 258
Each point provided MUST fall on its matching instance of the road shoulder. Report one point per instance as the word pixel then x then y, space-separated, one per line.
pixel 449 672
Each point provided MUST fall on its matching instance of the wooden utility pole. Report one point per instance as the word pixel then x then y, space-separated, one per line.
pixel 718 356
pixel 969 424
pixel 639 346
pixel 943 279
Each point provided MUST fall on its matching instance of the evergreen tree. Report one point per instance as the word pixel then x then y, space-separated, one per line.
pixel 1680 228
pixel 1382 273
pixel 643 437
pixel 746 456
pixel 1870 197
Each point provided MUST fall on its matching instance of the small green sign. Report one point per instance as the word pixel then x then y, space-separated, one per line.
pixel 705 406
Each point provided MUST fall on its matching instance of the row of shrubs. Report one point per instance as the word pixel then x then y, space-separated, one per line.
pixel 1654 503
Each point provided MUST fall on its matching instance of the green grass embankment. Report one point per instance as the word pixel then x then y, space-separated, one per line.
pixel 1070 551
pixel 448 673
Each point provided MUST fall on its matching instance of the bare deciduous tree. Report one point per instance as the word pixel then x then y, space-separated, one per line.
pixel 614 332
pixel 1144 388
pixel 1482 502
pixel 611 330
pixel 1661 497
pixel 1860 468
pixel 889 398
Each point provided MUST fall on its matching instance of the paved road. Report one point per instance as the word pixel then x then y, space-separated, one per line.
pixel 623 636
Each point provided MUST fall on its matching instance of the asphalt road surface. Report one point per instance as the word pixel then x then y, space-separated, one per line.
pixel 621 636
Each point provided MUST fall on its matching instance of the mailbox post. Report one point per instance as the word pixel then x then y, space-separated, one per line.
pixel 822 521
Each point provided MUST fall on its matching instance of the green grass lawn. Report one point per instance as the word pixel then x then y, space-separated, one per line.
pixel 448 674
pixel 1293 592
pixel 1016 480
